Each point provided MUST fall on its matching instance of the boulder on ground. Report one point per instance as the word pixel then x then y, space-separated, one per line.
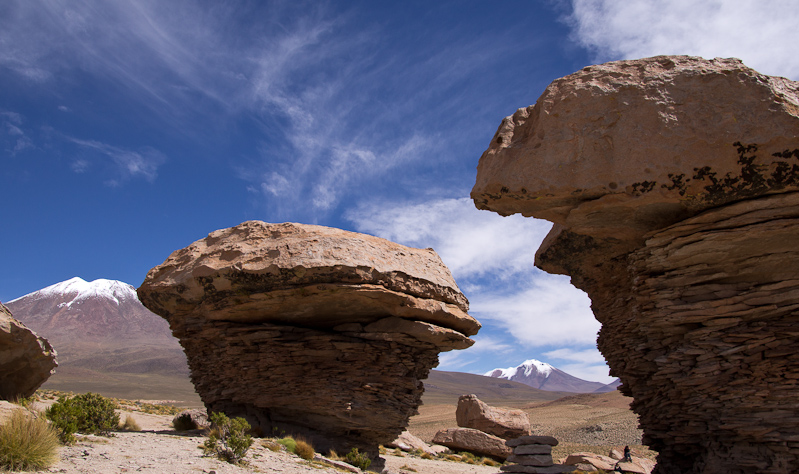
pixel 598 461
pixel 409 443
pixel 502 422
pixel 473 441
pixel 26 360
pixel 310 330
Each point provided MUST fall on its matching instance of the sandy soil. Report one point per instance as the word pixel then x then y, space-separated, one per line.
pixel 159 449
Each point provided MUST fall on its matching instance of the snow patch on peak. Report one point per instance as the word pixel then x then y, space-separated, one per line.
pixel 80 289
pixel 527 366
pixel 541 367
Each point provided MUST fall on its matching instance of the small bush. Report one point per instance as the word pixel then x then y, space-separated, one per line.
pixel 359 460
pixel 406 467
pixel 426 456
pixel 333 455
pixel 228 439
pixel 490 462
pixel 304 449
pixel 130 424
pixel 87 413
pixel 270 445
pixel 27 443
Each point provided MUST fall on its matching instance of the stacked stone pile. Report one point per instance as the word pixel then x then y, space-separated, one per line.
pixel 310 330
pixel 673 183
pixel 26 360
pixel 533 454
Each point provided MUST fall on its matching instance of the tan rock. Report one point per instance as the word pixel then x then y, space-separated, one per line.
pixel 533 449
pixel 26 360
pixel 409 443
pixel 554 469
pixel 473 441
pixel 502 422
pixel 600 462
pixel 310 330
pixel 192 419
pixel 672 183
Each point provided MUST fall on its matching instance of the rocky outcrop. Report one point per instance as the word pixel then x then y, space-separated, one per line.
pixel 26 360
pixel 673 183
pixel 501 422
pixel 310 330
pixel 593 462
pixel 473 441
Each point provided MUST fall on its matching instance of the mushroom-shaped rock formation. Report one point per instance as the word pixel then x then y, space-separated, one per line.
pixel 673 185
pixel 26 360
pixel 310 330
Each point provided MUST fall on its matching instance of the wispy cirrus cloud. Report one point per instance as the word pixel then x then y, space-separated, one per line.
pixel 11 125
pixel 129 164
pixel 762 33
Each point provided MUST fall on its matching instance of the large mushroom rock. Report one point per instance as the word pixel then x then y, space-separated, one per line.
pixel 672 182
pixel 26 360
pixel 310 330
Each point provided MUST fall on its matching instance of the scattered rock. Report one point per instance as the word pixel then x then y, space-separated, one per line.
pixel 672 182
pixel 26 360
pixel 473 441
pixel 532 454
pixel 310 330
pixel 501 422
pixel 408 442
pixel 600 462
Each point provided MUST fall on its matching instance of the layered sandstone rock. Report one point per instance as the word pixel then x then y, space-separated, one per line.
pixel 533 454
pixel 310 330
pixel 673 183
pixel 26 360
pixel 501 422
pixel 473 441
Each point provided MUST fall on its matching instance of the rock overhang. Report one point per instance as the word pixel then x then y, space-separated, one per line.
pixel 611 149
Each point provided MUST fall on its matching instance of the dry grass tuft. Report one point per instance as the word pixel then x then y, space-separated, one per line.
pixel 130 424
pixel 304 449
pixel 27 443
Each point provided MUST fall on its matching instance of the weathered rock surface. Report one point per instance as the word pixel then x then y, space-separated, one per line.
pixel 409 443
pixel 310 330
pixel 26 360
pixel 473 441
pixel 501 422
pixel 673 184
pixel 192 419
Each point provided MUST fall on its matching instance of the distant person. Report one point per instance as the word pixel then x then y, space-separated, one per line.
pixel 628 457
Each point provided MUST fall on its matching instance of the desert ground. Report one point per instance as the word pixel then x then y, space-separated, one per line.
pixel 593 422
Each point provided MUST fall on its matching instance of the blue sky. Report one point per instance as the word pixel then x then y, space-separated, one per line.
pixel 131 129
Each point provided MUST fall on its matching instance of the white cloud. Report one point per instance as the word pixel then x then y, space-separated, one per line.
pixel 469 241
pixel 586 356
pixel 762 33
pixel 549 312
pixel 130 164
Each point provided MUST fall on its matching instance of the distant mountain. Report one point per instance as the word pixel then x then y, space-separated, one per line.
pixel 611 387
pixel 543 376
pixel 105 338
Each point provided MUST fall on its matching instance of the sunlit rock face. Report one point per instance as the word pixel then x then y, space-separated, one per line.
pixel 673 183
pixel 26 360
pixel 310 330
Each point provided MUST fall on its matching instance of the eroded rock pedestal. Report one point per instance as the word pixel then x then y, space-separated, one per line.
pixel 673 183
pixel 310 330
pixel 26 360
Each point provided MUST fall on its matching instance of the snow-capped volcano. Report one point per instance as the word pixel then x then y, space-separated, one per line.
pixel 100 325
pixel 80 289
pixel 543 376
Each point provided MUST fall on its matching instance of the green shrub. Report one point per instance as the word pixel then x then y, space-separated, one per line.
pixel 359 460
pixel 304 449
pixel 27 443
pixel 290 444
pixel 228 440
pixel 88 413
